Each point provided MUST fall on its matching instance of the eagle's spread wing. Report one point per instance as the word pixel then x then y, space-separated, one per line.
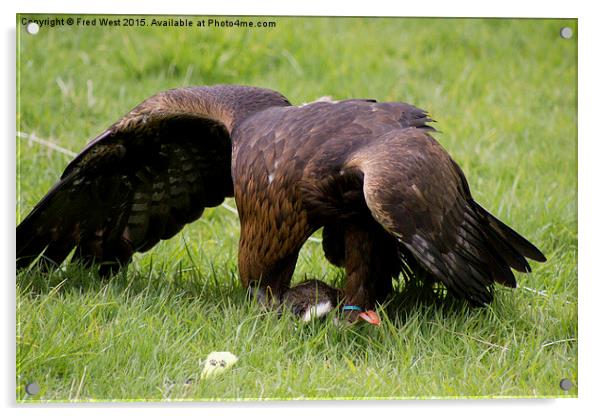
pixel 131 188
pixel 140 181
pixel 417 193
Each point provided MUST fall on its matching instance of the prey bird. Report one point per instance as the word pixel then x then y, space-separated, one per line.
pixel 389 198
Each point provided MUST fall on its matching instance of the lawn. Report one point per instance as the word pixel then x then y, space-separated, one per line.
pixel 504 95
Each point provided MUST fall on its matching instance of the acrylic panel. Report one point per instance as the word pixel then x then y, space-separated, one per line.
pixel 177 323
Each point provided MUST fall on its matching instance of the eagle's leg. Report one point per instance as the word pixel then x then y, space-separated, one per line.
pixel 266 279
pixel 371 263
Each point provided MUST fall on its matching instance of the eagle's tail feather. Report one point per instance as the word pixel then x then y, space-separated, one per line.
pixel 504 237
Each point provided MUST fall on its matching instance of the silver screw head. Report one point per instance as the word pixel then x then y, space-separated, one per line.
pixel 32 389
pixel 566 33
pixel 566 384
pixel 32 28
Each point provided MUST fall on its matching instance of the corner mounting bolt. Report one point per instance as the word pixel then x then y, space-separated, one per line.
pixel 566 33
pixel 32 388
pixel 566 384
pixel 32 28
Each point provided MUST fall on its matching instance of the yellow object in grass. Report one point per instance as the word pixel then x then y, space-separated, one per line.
pixel 217 362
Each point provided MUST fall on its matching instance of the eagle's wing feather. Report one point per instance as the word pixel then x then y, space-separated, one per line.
pixel 406 115
pixel 417 193
pixel 139 182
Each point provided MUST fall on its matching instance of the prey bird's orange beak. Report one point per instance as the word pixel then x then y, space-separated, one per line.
pixel 371 317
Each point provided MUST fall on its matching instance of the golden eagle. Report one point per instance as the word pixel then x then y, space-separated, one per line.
pixel 390 199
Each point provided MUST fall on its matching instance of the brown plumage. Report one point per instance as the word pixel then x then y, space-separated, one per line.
pixel 388 195
pixel 311 299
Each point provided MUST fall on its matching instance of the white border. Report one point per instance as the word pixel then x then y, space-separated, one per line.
pixel 590 179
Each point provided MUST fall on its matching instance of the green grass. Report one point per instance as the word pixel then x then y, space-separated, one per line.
pixel 504 95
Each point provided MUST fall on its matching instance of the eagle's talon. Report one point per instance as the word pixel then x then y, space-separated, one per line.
pixel 263 296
